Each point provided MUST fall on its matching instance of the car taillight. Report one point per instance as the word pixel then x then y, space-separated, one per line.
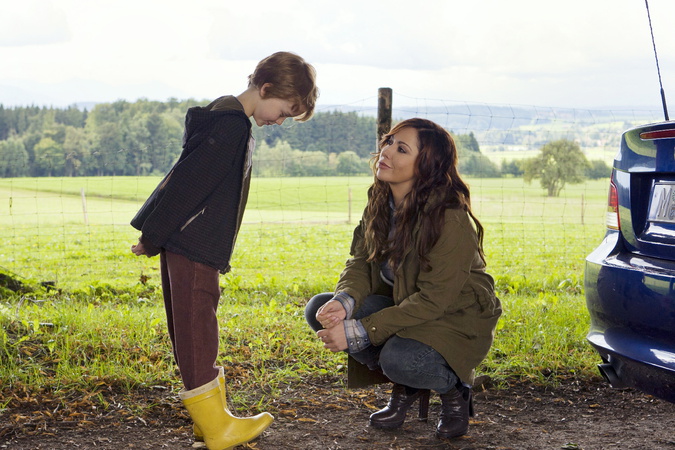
pixel 658 134
pixel 612 216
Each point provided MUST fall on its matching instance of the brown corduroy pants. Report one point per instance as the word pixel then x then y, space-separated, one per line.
pixel 191 294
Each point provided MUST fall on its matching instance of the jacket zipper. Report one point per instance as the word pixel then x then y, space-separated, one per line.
pixel 166 181
pixel 189 221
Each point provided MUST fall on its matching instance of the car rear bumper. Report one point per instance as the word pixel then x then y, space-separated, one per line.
pixel 626 364
pixel 631 302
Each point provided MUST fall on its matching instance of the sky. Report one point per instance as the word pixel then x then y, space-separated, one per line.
pixel 553 53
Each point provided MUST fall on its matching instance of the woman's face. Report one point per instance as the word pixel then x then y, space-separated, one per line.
pixel 396 165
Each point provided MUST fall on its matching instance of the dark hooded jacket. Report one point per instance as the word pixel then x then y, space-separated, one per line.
pixel 197 209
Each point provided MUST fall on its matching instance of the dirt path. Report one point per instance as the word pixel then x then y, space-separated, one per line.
pixel 572 416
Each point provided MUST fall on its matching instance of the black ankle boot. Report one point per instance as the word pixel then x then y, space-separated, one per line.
pixel 402 397
pixel 456 406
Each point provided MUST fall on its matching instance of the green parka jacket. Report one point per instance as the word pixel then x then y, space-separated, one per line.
pixel 452 308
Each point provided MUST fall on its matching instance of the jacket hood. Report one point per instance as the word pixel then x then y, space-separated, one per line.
pixel 199 121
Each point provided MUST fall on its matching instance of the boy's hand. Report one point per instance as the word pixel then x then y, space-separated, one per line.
pixel 139 249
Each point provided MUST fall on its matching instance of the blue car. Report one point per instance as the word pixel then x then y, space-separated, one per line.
pixel 630 276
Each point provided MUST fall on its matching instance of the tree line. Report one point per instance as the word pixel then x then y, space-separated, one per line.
pixel 145 138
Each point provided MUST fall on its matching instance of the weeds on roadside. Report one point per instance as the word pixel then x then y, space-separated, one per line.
pixel 63 342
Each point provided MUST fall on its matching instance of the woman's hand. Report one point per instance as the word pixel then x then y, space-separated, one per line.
pixel 334 338
pixel 331 313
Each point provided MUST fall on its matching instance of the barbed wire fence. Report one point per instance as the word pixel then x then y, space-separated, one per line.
pixel 75 232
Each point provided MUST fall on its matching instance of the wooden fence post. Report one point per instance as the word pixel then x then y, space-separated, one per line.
pixel 384 101
pixel 84 206
pixel 349 200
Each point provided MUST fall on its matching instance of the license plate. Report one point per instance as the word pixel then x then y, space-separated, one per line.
pixel 662 203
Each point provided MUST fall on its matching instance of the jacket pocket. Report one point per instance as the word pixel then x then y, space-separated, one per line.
pixel 189 221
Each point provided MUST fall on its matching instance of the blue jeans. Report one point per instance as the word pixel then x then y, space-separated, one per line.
pixel 404 361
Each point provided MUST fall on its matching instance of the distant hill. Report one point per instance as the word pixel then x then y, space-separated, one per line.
pixel 464 118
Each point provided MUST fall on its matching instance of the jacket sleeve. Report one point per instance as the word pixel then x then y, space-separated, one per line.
pixel 436 293
pixel 355 279
pixel 194 178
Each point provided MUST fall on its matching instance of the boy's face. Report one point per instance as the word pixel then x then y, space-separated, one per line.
pixel 271 111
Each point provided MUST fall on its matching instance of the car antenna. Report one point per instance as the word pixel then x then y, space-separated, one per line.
pixel 658 69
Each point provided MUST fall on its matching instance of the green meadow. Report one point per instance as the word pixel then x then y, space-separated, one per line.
pixel 90 312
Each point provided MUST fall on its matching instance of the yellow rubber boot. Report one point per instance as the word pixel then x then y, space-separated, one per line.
pixel 199 436
pixel 220 429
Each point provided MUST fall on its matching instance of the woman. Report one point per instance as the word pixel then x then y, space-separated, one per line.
pixel 414 301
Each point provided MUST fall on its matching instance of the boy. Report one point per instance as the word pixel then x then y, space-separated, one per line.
pixel 192 219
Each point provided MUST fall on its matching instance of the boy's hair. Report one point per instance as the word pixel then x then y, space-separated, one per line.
pixel 290 78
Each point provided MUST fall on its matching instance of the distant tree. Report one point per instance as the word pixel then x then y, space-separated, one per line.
pixel 349 163
pixel 166 141
pixel 30 140
pixel 49 158
pixel 272 161
pixel 598 169
pixel 13 158
pixel 108 156
pixel 72 116
pixel 4 123
pixel 329 132
pixel 477 165
pixel 467 141
pixel 76 148
pixel 513 167
pixel 306 164
pixel 135 144
pixel 559 163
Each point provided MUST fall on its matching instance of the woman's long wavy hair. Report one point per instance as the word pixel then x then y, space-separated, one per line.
pixel 437 187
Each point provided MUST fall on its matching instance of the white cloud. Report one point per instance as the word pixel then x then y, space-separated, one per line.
pixel 349 32
pixel 32 22
pixel 572 53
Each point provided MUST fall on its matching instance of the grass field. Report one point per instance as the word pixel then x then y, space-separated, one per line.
pixel 293 227
pixel 292 245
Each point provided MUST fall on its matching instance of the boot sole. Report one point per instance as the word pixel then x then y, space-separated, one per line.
pixel 386 426
pixel 450 435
